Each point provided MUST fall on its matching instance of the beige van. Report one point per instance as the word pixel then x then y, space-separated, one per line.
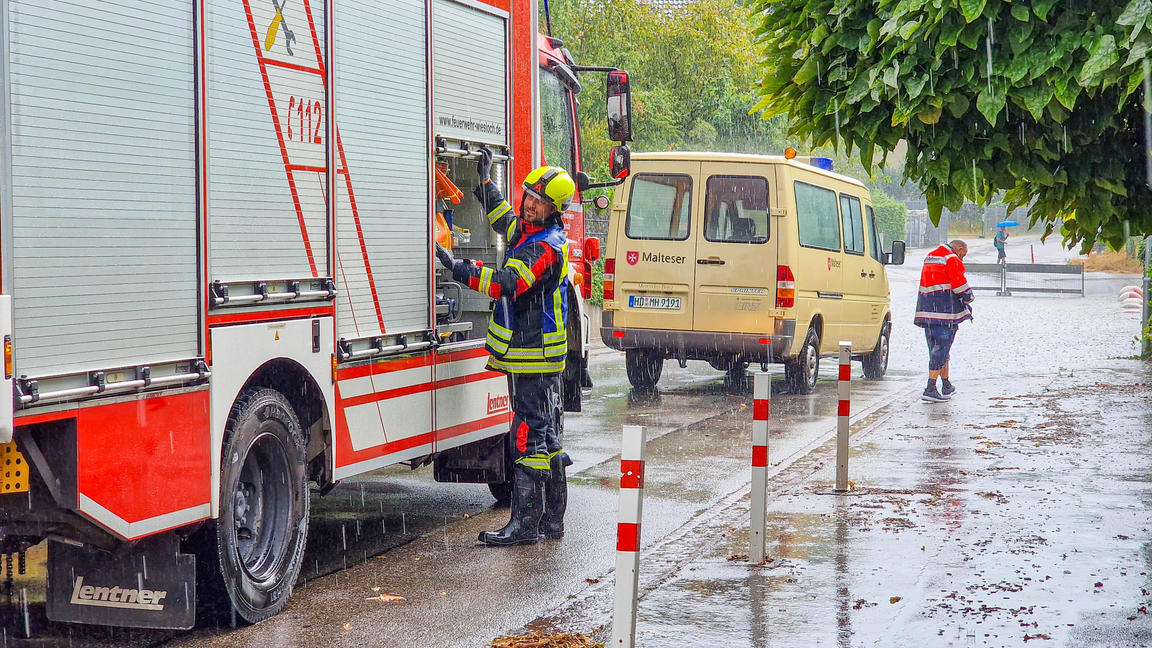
pixel 736 259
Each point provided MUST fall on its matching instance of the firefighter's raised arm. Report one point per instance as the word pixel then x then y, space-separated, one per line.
pixel 499 212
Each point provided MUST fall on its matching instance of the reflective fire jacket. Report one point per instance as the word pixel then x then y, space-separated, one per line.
pixel 527 332
pixel 944 291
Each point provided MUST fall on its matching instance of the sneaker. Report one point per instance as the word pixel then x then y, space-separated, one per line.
pixel 947 389
pixel 932 395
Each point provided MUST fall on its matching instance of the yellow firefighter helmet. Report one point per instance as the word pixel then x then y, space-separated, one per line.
pixel 551 184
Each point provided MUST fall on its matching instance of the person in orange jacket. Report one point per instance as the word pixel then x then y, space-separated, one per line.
pixel 942 304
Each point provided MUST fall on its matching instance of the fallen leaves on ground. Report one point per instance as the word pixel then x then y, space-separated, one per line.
pixel 737 556
pixel 1028 637
pixel 895 599
pixel 541 640
pixel 386 598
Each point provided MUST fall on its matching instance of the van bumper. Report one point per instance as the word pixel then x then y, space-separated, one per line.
pixel 703 345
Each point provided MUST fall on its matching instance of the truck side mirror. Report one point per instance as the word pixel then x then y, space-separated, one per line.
pixel 619 107
pixel 896 256
pixel 620 162
pixel 591 249
pixel 582 181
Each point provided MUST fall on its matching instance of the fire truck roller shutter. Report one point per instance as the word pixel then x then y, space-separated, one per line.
pixel 266 204
pixel 469 59
pixel 382 111
pixel 103 183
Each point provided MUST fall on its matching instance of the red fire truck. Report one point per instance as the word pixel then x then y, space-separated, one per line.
pixel 216 278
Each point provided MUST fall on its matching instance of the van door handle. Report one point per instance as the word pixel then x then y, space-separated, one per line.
pixel 863 274
pixel 871 275
pixel 710 261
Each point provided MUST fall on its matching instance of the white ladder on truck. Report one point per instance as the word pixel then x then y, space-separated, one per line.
pixel 292 66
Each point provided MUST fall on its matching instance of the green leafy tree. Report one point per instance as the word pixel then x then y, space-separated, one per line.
pixel 891 216
pixel 693 72
pixel 1038 100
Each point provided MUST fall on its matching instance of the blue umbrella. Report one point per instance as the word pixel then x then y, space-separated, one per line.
pixel 1007 223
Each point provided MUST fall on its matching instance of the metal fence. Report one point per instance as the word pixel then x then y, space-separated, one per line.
pixel 1028 277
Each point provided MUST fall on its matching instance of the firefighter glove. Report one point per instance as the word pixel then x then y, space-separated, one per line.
pixel 445 257
pixel 484 164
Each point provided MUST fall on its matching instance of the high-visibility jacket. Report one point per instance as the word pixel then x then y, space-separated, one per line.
pixel 944 291
pixel 527 332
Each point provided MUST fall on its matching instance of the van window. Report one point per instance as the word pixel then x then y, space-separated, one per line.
pixel 816 215
pixel 736 209
pixel 659 206
pixel 851 225
pixel 873 234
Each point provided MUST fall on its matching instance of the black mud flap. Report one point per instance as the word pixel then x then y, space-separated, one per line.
pixel 478 462
pixel 148 584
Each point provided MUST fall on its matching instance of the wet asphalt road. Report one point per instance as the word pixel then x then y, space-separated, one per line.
pixel 398 532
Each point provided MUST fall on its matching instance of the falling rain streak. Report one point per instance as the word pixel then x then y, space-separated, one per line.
pixel 988 50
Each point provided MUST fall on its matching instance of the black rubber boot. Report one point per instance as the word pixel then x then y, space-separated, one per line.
pixel 527 507
pixel 555 498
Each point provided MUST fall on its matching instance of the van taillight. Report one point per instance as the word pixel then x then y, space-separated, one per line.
pixel 785 287
pixel 609 279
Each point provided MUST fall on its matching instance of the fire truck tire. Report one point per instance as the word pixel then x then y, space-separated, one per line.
pixel 263 523
pixel 502 491
pixel 574 365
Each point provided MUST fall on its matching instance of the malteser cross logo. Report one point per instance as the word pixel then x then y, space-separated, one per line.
pixel 117 597
pixel 632 257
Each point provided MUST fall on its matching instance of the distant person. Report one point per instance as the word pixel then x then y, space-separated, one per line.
pixel 940 307
pixel 1000 240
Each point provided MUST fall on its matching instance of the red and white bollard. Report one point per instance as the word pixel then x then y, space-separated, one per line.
pixel 628 536
pixel 842 412
pixel 761 412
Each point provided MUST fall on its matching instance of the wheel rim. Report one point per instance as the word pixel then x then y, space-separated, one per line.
pixel 261 504
pixel 809 365
pixel 883 352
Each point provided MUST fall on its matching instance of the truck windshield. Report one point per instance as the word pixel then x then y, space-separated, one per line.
pixel 556 121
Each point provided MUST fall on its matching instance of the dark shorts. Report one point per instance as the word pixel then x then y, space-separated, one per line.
pixel 1000 253
pixel 940 338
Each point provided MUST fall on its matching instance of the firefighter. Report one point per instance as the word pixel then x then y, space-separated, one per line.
pixel 527 340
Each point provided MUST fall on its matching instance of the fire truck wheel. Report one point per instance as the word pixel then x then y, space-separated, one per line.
pixel 502 491
pixel 263 520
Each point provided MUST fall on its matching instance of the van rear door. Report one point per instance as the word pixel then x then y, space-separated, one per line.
pixel 735 251
pixel 655 253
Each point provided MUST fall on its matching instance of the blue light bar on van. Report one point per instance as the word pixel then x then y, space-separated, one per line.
pixel 822 163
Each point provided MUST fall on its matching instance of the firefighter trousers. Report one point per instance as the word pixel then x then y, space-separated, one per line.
pixel 534 438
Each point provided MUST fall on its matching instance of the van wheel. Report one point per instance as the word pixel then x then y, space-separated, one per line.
pixel 643 367
pixel 876 362
pixel 735 372
pixel 803 371
pixel 263 523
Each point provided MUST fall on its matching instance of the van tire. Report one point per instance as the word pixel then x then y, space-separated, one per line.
pixel 643 367
pixel 876 362
pixel 803 371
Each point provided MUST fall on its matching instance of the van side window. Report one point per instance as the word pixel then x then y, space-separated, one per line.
pixel 873 235
pixel 818 222
pixel 659 207
pixel 736 209
pixel 851 225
